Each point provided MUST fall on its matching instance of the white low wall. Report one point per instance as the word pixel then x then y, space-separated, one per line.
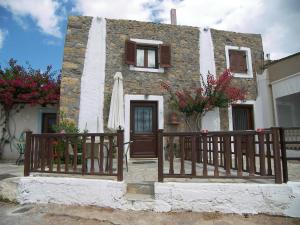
pixel 68 191
pixel 238 198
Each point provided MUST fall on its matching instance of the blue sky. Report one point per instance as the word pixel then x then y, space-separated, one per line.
pixel 34 30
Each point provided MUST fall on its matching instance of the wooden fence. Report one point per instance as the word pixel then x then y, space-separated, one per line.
pixel 86 154
pixel 291 141
pixel 231 154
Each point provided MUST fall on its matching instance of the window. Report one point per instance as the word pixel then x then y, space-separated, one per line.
pixel 147 55
pixel 238 60
pixel 48 120
pixel 242 117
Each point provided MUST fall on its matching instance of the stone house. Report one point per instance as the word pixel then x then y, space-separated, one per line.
pixel 146 53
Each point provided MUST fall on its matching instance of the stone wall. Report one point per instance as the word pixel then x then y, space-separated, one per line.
pixel 183 73
pixel 73 61
pixel 252 41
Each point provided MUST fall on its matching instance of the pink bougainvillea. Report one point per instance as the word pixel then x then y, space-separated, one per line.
pixel 216 92
pixel 29 86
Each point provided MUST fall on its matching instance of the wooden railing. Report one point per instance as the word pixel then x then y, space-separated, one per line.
pixel 290 137
pixel 86 154
pixel 231 154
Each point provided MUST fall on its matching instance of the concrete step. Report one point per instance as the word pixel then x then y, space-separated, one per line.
pixel 139 197
pixel 146 188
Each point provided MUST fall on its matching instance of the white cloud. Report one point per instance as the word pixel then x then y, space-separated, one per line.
pixel 276 20
pixel 3 34
pixel 43 12
pixel 120 9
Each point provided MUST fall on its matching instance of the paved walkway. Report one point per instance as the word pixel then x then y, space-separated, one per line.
pixel 146 171
pixel 11 214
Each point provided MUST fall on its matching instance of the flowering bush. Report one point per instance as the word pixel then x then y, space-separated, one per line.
pixel 216 92
pixel 20 85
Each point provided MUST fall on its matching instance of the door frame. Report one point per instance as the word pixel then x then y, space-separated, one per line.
pixel 255 115
pixel 160 110
pixel 251 116
pixel 154 105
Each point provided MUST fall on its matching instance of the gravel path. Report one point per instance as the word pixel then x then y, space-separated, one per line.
pixel 11 214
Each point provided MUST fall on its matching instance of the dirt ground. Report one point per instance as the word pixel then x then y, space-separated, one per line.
pixel 50 214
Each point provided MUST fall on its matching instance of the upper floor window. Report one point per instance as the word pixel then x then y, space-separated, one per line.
pixel 238 60
pixel 147 55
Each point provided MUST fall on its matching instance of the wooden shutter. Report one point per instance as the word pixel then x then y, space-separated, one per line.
pixel 165 56
pixel 130 52
pixel 238 61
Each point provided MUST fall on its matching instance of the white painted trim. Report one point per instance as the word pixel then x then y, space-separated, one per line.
pixel 128 98
pixel 150 70
pixel 146 41
pixel 286 86
pixel 93 79
pixel 249 73
pixel 247 102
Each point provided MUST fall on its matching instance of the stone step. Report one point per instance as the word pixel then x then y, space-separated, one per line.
pixel 141 188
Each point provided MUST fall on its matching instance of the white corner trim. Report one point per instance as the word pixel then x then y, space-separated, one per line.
pixel 249 73
pixel 93 79
pixel 150 70
pixel 247 102
pixel 146 41
pixel 129 98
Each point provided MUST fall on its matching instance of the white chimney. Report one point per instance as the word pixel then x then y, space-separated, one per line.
pixel 173 17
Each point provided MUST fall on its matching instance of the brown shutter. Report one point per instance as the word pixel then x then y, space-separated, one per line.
pixel 130 52
pixel 165 56
pixel 238 63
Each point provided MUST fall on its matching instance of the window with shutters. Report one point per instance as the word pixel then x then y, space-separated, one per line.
pixel 147 55
pixel 238 60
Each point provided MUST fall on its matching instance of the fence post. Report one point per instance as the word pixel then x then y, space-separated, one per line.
pixel 27 153
pixel 160 155
pixel 283 155
pixel 120 143
pixel 277 164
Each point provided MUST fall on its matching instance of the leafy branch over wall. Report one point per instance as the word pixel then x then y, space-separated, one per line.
pixel 213 93
pixel 20 86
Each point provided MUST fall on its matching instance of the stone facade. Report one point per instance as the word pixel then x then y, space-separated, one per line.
pixel 184 71
pixel 254 42
pixel 73 62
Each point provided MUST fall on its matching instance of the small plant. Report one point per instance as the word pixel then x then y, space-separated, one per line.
pixel 65 125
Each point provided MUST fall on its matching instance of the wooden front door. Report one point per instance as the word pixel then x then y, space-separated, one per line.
pixel 143 128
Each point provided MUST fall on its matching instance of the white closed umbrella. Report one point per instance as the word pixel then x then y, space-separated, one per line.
pixel 116 111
